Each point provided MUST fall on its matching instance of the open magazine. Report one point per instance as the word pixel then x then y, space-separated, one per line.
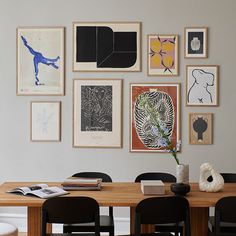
pixel 39 190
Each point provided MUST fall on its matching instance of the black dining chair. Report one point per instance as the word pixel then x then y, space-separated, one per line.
pixel 225 226
pixel 106 221
pixel 162 210
pixel 225 217
pixel 70 210
pixel 168 178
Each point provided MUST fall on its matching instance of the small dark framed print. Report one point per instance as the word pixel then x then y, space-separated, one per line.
pixel 200 128
pixel 196 42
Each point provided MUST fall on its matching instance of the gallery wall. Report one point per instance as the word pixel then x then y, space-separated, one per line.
pixel 23 160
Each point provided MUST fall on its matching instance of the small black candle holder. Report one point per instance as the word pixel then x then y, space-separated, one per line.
pixel 180 189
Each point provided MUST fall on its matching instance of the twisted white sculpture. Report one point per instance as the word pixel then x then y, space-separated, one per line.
pixel 217 183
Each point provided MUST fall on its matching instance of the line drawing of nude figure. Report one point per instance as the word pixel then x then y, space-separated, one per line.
pixel 39 58
pixel 200 92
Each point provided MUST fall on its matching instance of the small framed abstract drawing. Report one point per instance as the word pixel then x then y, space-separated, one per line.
pixel 45 121
pixel 200 128
pixel 97 113
pixel 195 42
pixel 202 85
pixel 163 55
pixel 40 61
pixel 154 116
pixel 106 46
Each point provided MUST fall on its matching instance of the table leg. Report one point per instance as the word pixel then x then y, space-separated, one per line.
pixel 144 229
pixel 34 222
pixel 199 221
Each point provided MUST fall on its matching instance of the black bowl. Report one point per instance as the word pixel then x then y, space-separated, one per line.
pixel 180 188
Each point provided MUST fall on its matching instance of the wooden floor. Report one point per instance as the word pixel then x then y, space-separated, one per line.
pixel 22 234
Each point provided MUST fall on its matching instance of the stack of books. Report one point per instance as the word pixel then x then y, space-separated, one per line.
pixel 77 183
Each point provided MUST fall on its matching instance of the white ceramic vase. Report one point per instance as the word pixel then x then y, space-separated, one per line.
pixel 182 173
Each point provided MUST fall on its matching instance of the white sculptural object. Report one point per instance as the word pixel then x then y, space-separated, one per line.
pixel 217 183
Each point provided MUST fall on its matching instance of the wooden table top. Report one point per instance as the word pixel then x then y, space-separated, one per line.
pixel 114 194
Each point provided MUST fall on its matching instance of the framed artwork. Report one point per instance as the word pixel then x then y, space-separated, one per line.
pixel 200 128
pixel 202 85
pixel 45 121
pixel 97 113
pixel 40 61
pixel 195 42
pixel 163 55
pixel 154 116
pixel 106 46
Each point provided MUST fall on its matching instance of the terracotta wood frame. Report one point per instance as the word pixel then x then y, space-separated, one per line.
pixel 58 114
pixel 28 92
pixel 216 83
pixel 178 117
pixel 176 48
pixel 103 23
pixel 117 87
pixel 210 122
pixel 205 42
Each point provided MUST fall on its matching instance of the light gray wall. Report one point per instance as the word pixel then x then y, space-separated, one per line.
pixel 22 160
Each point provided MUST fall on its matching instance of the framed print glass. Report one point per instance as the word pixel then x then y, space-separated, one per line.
pixel 200 128
pixel 202 85
pixel 40 61
pixel 97 113
pixel 106 46
pixel 45 121
pixel 163 55
pixel 154 116
pixel 195 42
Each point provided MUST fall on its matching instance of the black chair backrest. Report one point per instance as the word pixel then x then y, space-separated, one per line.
pixel 165 177
pixel 70 210
pixel 103 176
pixel 228 177
pixel 225 209
pixel 161 210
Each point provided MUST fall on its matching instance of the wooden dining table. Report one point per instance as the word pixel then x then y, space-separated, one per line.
pixel 118 194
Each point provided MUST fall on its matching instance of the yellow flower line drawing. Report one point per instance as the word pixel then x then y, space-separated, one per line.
pixel 160 53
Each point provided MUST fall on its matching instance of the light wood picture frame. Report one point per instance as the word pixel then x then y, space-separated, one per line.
pixel 202 85
pixel 45 121
pixel 200 128
pixel 163 55
pixel 196 42
pixel 97 113
pixel 107 46
pixel 40 60
pixel 149 102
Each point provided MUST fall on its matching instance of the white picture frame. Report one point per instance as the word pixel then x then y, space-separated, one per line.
pixel 45 121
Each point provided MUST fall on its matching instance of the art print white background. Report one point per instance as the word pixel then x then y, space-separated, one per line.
pixel 45 121
pixel 202 86
pixel 49 42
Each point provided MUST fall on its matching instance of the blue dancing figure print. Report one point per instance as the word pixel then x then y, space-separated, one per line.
pixel 39 58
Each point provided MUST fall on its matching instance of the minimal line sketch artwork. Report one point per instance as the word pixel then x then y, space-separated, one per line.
pixel 96 108
pixel 45 121
pixel 97 113
pixel 40 61
pixel 202 85
pixel 39 58
pixel 200 128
